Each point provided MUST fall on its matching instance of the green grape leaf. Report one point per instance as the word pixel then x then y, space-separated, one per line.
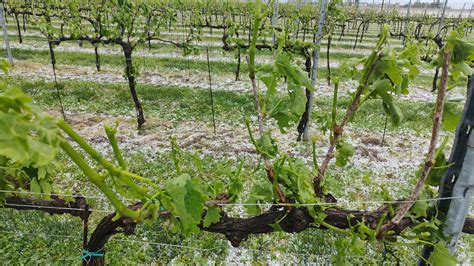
pixel 438 171
pixel 382 88
pixel 213 215
pixel 293 72
pixel 464 68
pixel 35 186
pixel 287 115
pixel 394 111
pixel 235 187
pixel 216 187
pixel 261 192
pixel 439 168
pixel 411 52
pixel 441 257
pixel 5 66
pixel 389 67
pixel 276 227
pixel 297 100
pixel 358 246
pixel 42 172
pixel 451 116
pixel 45 187
pixel 413 71
pixel 26 137
pixel 41 153
pixel 419 209
pixel 283 120
pixel 271 82
pixel 296 176
pixel 329 183
pixel 267 146
pixel 187 201
pixel 344 152
pixel 461 50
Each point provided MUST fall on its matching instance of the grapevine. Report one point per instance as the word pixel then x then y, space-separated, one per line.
pixel 294 195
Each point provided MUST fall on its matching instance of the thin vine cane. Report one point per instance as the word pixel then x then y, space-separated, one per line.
pixel 437 120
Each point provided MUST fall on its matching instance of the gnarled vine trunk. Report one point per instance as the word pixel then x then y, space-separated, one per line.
pixel 97 57
pixel 20 38
pixel 130 74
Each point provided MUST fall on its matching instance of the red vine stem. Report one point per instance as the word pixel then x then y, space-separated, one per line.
pixel 257 104
pixel 437 119
pixel 268 166
pixel 338 129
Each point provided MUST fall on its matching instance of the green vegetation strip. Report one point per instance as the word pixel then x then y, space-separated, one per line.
pixel 180 104
pixel 151 63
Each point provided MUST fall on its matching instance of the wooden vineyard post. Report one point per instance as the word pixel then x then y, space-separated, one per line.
pixel 314 70
pixel 457 185
pixel 210 90
pixel 5 36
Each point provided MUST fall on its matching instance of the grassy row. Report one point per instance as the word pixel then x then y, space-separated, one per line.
pixel 178 104
pixel 178 63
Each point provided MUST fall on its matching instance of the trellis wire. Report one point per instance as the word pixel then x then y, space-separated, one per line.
pixel 39 207
pixel 230 204
pixel 166 244
pixel 56 194
pixel 19 233
pixel 223 246
pixel 333 203
pixel 56 208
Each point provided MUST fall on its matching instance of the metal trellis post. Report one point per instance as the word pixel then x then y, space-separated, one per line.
pixel 462 10
pixel 274 21
pixel 5 35
pixel 458 182
pixel 442 17
pixel 406 23
pixel 314 69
